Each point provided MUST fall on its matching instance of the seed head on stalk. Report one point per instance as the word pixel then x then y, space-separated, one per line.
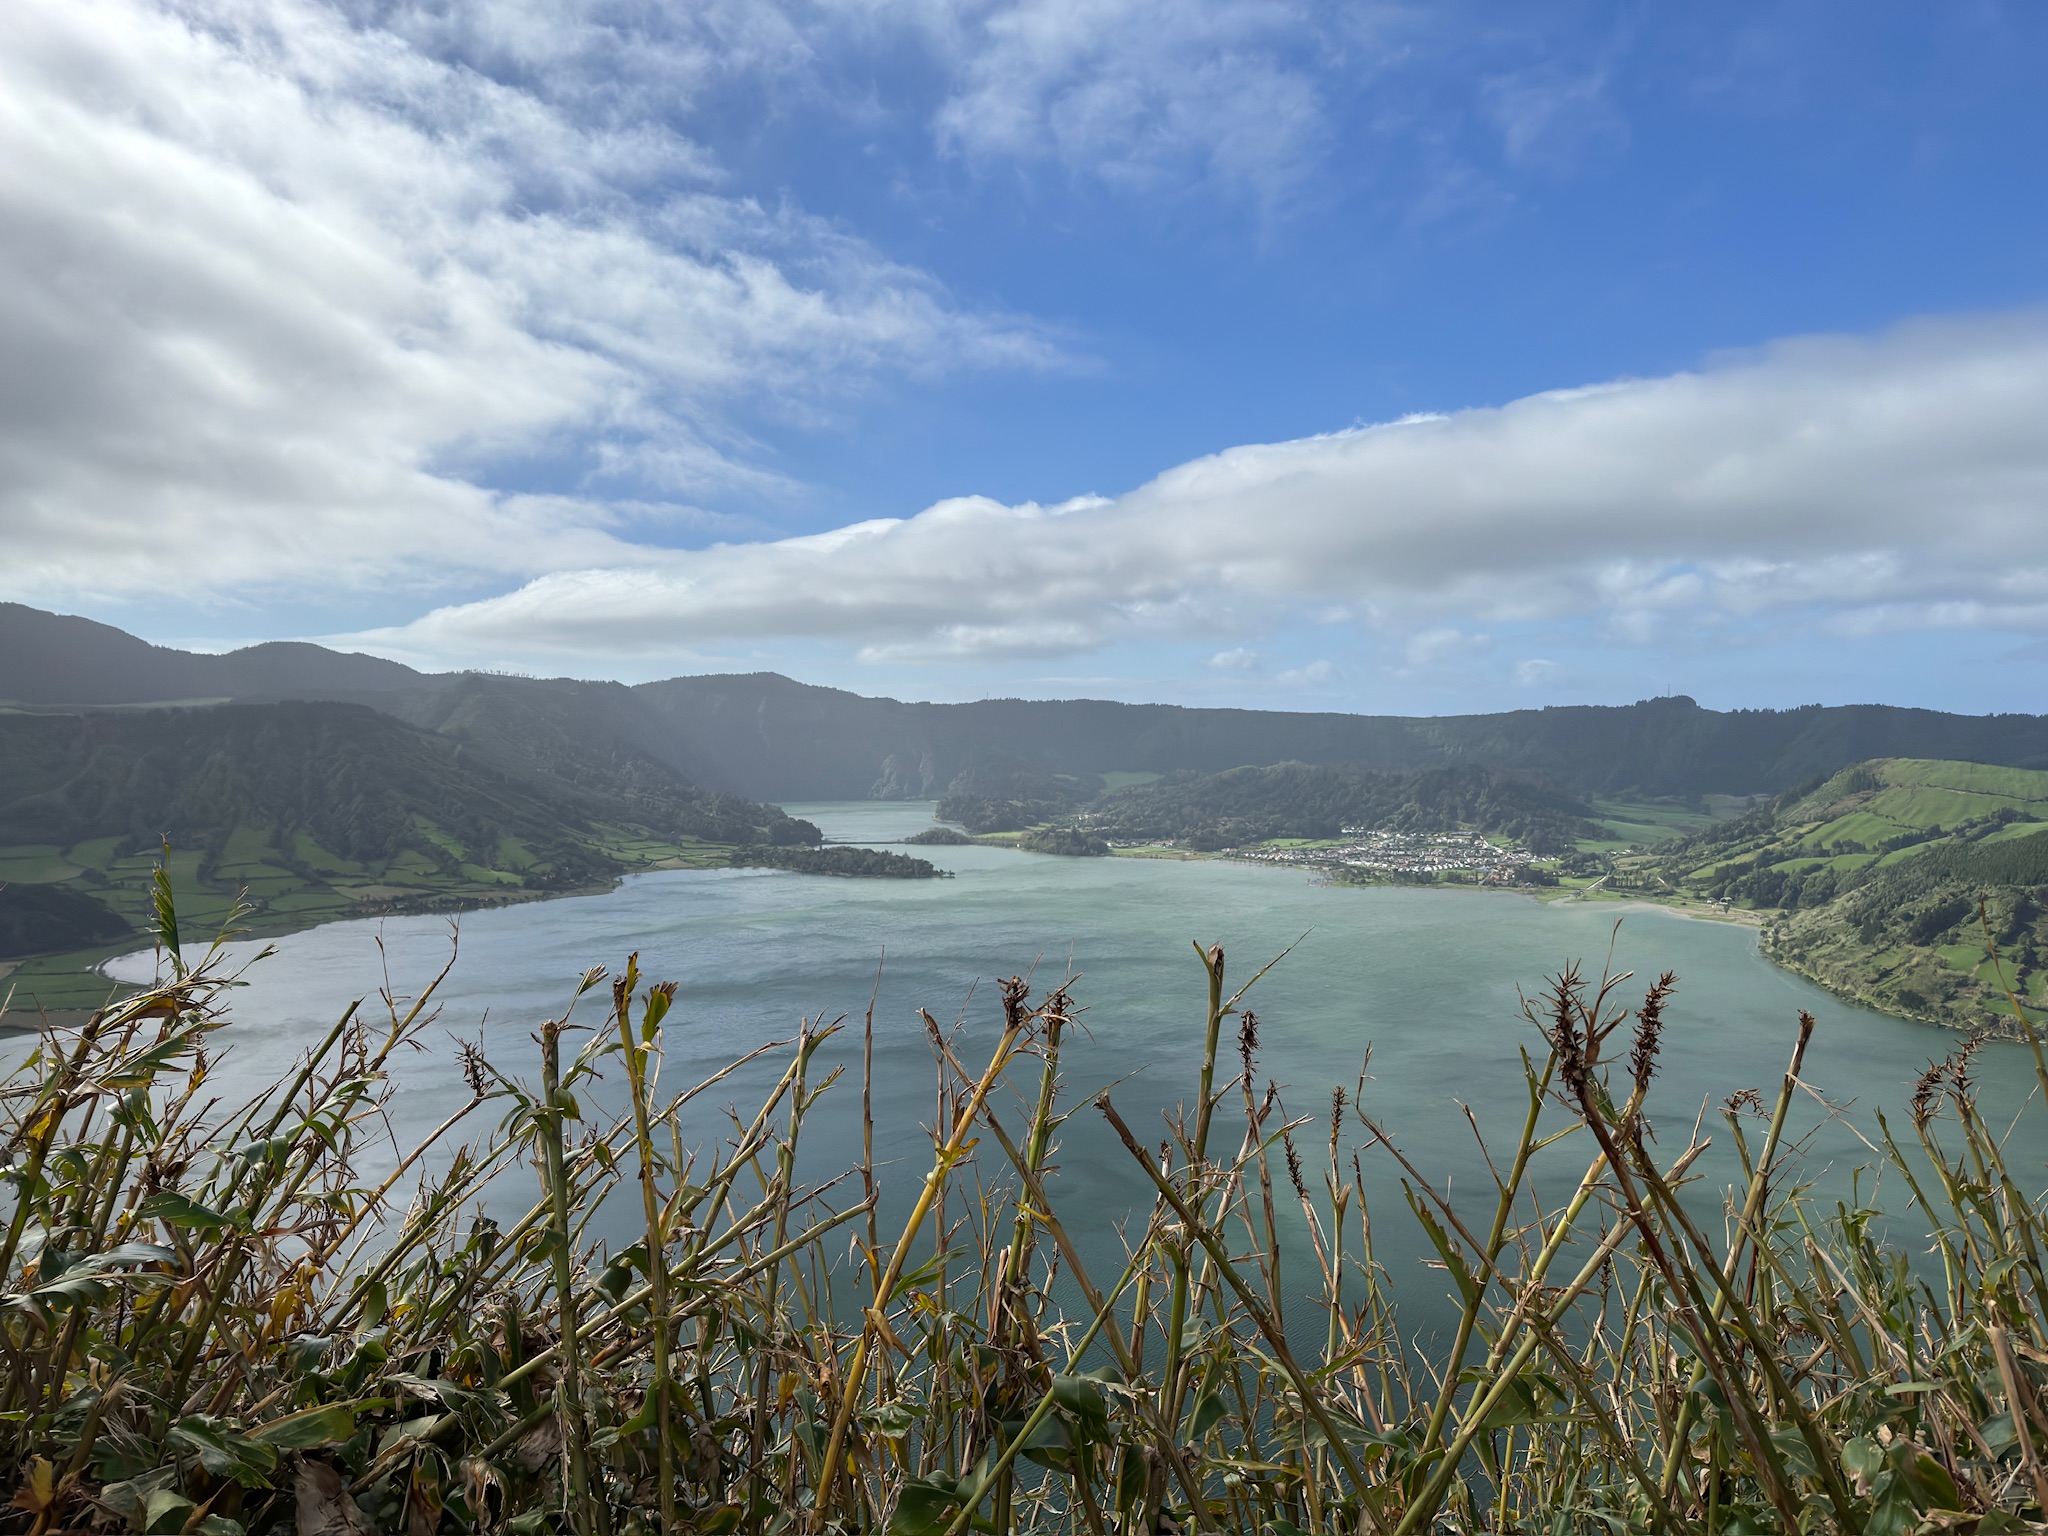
pixel 1294 1166
pixel 1650 1030
pixel 1571 1050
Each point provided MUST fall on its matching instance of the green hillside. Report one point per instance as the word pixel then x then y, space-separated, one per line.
pixel 307 812
pixel 1870 882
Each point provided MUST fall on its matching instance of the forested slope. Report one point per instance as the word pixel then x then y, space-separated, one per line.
pixel 318 810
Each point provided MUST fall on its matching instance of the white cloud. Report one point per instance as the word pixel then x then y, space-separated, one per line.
pixel 1314 675
pixel 278 293
pixel 1236 659
pixel 1900 480
pixel 1535 671
pixel 1552 119
pixel 1432 647
pixel 1143 93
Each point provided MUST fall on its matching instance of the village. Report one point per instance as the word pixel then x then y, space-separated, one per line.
pixel 1412 854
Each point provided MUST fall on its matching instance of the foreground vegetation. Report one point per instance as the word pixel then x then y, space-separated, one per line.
pixel 233 1320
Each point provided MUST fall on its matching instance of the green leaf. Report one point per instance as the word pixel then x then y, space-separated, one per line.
pixel 126 1255
pixel 1051 1443
pixel 925 1273
pixel 165 1512
pixel 224 1453
pixel 923 1507
pixel 1931 1480
pixel 1454 1261
pixel 167 913
pixel 1893 1514
pixel 307 1352
pixel 449 1394
pixel 375 1302
pixel 1797 1454
pixel 1084 1399
pixel 180 1211
pixel 308 1427
pixel 1207 1412
pixel 658 999
pixel 1862 1457
pixel 1518 1405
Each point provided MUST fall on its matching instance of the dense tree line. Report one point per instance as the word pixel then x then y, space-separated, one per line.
pixel 1934 895
pixel 986 799
pixel 360 784
pixel 1069 842
pixel 1248 805
pixel 35 919
pixel 868 863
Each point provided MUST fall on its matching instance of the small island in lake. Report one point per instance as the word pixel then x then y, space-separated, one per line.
pixel 869 863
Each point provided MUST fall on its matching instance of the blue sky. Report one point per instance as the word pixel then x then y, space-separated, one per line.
pixel 1406 358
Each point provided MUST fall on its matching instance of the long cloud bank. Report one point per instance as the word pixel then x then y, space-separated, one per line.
pixel 1895 481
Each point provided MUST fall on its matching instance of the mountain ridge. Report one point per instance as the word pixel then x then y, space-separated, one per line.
pixel 764 736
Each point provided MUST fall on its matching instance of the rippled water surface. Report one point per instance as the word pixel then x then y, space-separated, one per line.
pixel 1427 979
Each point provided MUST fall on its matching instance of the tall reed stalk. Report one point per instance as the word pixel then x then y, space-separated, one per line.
pixel 251 1319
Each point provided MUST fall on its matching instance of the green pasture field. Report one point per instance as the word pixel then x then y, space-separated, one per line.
pixel 1638 821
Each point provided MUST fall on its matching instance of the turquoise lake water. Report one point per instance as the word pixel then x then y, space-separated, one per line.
pixel 1427 978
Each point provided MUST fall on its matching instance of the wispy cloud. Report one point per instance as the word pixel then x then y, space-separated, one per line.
pixel 280 294
pixel 1144 94
pixel 1900 480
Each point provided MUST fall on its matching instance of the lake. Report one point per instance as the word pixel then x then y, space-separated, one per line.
pixel 1427 978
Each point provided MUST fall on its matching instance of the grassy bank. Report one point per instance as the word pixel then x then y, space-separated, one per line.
pixel 281 889
pixel 233 1320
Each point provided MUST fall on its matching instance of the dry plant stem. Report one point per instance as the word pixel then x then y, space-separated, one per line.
pixel 1489 1252
pixel 828 1473
pixel 1311 1400
pixel 1006 1305
pixel 1752 1209
pixel 867 1119
pixel 1746 1324
pixel 636 1053
pixel 582 1509
pixel 785 1175
pixel 1171 1383
pixel 2019 1404
pixel 1424 1506
pixel 1001 1467
pixel 1126 1357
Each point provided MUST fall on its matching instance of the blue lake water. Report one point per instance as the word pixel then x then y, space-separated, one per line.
pixel 1428 979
